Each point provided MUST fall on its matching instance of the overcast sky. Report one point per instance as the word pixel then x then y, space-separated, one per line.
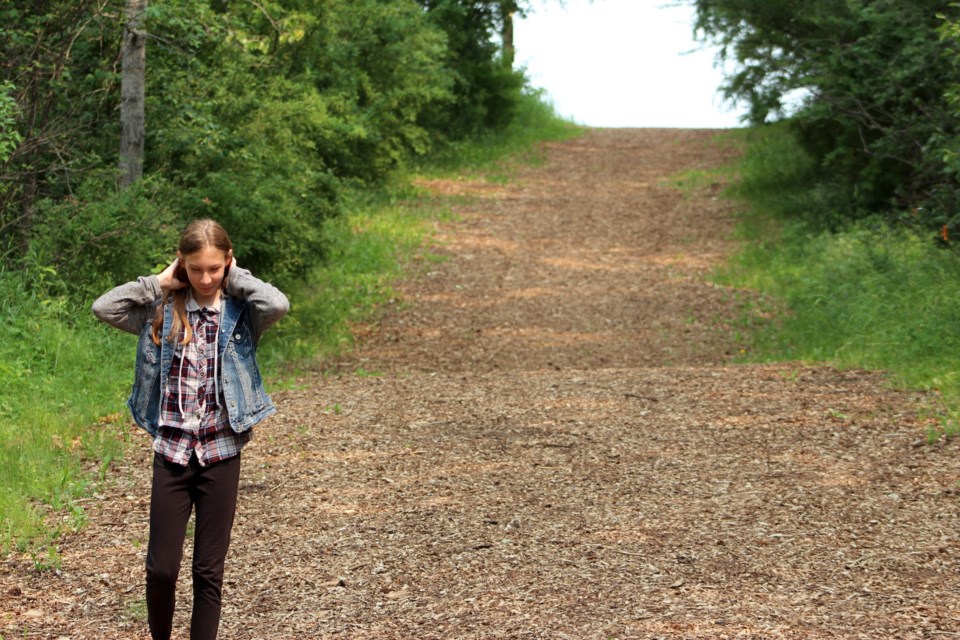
pixel 622 63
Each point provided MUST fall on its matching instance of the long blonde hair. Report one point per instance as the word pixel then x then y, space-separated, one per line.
pixel 198 235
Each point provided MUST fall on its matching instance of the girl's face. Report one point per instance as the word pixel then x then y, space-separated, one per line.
pixel 205 269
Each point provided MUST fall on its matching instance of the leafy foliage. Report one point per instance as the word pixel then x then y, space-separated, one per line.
pixel 949 145
pixel 9 136
pixel 57 66
pixel 874 75
pixel 258 114
pixel 486 89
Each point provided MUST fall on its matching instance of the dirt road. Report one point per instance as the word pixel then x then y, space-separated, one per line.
pixel 556 445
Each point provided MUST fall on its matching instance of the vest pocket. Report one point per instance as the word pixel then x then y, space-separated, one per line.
pixel 246 395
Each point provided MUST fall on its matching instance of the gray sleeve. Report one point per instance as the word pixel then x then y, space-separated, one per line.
pixel 129 306
pixel 267 303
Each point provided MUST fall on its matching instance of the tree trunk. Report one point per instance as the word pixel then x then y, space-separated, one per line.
pixel 133 55
pixel 507 9
pixel 27 204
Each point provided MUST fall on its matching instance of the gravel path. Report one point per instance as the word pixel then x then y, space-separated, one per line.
pixel 555 444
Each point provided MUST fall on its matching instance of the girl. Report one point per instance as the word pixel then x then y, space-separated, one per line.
pixel 197 391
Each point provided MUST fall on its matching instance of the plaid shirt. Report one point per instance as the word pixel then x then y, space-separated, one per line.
pixel 192 417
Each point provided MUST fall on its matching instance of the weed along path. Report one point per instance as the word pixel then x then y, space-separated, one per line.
pixel 556 445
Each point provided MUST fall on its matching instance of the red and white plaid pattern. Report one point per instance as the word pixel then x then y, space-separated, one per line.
pixel 203 425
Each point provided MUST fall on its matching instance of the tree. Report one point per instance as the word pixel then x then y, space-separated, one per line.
pixel 133 55
pixel 508 9
pixel 52 54
pixel 486 88
pixel 875 75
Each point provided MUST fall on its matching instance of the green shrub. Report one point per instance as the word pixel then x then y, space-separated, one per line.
pixel 534 121
pixel 384 233
pixel 102 237
pixel 9 136
pixel 875 81
pixel 486 91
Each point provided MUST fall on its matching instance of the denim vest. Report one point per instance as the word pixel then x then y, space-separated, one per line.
pixel 245 398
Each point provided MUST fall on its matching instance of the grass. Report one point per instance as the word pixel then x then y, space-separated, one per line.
pixel 865 294
pixel 59 392
pixel 535 121
pixel 64 377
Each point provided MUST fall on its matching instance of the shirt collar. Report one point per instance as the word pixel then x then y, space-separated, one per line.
pixel 192 305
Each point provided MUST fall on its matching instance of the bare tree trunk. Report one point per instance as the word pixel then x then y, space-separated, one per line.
pixel 133 55
pixel 507 9
pixel 27 204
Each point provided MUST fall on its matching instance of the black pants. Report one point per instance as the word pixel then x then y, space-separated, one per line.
pixel 177 489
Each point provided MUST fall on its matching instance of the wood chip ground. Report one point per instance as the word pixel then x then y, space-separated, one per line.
pixel 557 445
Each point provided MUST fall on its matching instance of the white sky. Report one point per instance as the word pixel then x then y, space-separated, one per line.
pixel 622 63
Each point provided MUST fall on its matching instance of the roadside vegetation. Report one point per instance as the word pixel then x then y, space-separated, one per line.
pixel 850 183
pixel 868 294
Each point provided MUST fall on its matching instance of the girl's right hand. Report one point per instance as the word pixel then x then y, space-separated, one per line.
pixel 168 278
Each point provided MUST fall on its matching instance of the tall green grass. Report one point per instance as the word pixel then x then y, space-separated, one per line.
pixel 61 381
pixel 64 377
pixel 866 294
